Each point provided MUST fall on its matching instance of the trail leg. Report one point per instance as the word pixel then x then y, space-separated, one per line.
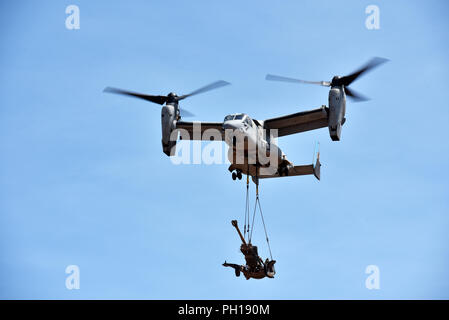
pixel 237 268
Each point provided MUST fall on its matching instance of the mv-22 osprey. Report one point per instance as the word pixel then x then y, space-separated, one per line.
pixel 258 133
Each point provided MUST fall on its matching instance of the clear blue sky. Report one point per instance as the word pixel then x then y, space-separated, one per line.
pixel 83 179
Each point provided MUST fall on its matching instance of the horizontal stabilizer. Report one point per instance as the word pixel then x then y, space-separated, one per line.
pixel 299 171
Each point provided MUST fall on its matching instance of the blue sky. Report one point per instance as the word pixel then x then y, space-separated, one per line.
pixel 83 179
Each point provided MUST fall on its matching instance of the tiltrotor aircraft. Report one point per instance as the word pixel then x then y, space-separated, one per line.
pixel 258 133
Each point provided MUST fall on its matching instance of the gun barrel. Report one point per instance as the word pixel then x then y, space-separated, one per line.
pixel 234 223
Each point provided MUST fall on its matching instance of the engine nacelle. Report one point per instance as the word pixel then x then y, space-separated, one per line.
pixel 337 109
pixel 168 116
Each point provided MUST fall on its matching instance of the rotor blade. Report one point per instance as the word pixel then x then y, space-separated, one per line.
pixel 185 113
pixel 356 97
pixel 272 77
pixel 154 99
pixel 212 86
pixel 374 62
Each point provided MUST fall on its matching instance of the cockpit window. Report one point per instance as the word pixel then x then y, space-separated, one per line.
pixel 239 117
pixel 248 121
pixel 230 117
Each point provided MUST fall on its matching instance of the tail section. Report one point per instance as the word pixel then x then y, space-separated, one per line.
pixel 290 170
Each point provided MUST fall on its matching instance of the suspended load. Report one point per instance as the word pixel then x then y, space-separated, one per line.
pixel 255 267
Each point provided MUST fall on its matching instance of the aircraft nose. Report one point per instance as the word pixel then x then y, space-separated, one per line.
pixel 230 125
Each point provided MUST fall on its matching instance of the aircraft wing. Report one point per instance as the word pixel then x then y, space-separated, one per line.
pixel 196 130
pixel 299 122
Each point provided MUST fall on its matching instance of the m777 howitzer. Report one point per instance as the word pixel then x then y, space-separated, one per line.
pixel 255 267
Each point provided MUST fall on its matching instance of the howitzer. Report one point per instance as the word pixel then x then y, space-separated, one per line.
pixel 255 267
pixel 253 261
